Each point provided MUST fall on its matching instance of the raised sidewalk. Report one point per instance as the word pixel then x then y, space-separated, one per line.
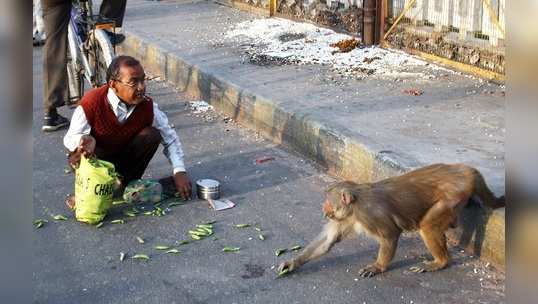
pixel 362 130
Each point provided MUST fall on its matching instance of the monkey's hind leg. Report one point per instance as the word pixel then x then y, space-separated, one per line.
pixel 387 249
pixel 432 230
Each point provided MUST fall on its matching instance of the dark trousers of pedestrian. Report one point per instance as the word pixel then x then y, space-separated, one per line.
pixel 56 14
pixel 134 159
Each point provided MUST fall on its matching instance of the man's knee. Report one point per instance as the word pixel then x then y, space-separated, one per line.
pixel 149 136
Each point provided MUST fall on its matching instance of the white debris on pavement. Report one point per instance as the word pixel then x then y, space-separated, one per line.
pixel 304 43
pixel 201 106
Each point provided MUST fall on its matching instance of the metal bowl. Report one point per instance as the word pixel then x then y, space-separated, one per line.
pixel 208 189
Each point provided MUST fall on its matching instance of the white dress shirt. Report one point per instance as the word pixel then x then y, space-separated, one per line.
pixel 172 146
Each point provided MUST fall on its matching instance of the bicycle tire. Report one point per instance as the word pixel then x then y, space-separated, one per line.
pixel 100 56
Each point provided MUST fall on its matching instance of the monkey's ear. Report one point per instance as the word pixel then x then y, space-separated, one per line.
pixel 347 197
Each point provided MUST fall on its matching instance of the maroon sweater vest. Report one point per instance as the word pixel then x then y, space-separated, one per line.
pixel 110 135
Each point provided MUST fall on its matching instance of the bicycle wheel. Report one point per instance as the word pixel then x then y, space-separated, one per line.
pixel 100 56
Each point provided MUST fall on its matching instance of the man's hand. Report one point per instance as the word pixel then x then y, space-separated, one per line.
pixel 183 185
pixel 85 147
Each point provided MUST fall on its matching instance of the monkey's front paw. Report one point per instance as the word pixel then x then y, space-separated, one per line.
pixel 428 267
pixel 288 265
pixel 417 269
pixel 369 271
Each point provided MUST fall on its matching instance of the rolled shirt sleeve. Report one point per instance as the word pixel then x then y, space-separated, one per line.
pixel 78 127
pixel 170 140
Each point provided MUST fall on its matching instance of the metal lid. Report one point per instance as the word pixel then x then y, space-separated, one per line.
pixel 208 184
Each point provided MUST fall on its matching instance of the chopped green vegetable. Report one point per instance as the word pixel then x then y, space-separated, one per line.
pixel 39 223
pixel 204 226
pixel 284 272
pixel 195 237
pixel 242 225
pixel 60 217
pixel 122 256
pixel 205 230
pixel 198 233
pixel 140 240
pixel 261 237
pixel 99 225
pixel 161 247
pixel 295 248
pixel 117 221
pixel 129 213
pixel 231 249
pixel 280 251
pixel 175 204
pixel 173 251
pixel 140 256
pixel 184 242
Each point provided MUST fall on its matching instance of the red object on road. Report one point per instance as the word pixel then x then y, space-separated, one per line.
pixel 263 159
pixel 414 92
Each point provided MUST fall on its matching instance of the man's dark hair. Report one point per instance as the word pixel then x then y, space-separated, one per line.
pixel 113 71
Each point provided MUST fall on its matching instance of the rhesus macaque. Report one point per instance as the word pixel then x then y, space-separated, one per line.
pixel 427 199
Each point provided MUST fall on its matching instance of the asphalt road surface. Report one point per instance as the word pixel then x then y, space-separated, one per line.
pixel 78 263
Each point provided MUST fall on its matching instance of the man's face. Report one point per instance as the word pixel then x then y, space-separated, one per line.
pixel 130 86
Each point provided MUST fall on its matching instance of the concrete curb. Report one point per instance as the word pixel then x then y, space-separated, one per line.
pixel 342 156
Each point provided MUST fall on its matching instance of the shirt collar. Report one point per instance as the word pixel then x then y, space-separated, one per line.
pixel 113 98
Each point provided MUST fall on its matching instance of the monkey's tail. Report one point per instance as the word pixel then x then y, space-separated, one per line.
pixel 484 194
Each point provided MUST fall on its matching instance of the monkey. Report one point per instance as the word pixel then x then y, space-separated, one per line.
pixel 426 199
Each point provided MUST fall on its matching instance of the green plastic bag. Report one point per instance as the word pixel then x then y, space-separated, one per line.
pixel 95 180
pixel 143 191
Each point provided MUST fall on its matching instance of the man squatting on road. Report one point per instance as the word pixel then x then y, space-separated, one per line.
pixel 118 123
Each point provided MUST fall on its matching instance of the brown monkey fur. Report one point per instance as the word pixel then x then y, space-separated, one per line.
pixel 427 199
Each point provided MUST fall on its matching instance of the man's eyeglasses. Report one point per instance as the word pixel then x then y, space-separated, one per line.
pixel 133 84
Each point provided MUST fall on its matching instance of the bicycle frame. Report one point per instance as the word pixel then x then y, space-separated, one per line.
pixel 85 33
pixel 76 46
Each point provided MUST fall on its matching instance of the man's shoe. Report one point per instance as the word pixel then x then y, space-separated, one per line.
pixel 115 38
pixel 53 122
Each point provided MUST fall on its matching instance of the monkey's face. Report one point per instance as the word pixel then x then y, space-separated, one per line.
pixel 335 210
